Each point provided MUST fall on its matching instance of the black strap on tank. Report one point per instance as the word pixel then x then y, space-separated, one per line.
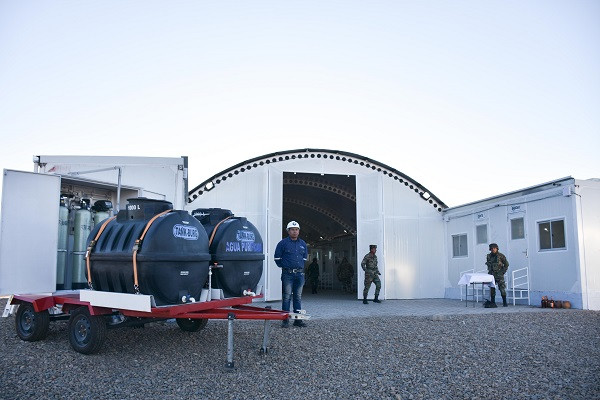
pixel 91 247
pixel 136 247
pixel 214 232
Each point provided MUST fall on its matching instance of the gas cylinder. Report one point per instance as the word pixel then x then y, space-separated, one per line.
pixel 82 227
pixel 61 257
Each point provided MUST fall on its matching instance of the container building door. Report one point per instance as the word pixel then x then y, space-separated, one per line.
pixel 29 232
pixel 518 244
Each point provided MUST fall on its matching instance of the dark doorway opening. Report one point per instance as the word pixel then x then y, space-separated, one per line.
pixel 325 207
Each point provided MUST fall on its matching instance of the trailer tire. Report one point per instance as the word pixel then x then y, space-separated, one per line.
pixel 191 325
pixel 31 325
pixel 86 332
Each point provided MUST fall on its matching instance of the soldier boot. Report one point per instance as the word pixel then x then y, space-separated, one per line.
pixel 493 295
pixel 365 300
pixel 376 299
pixel 504 301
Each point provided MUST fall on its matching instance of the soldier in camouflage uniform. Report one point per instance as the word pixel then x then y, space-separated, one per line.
pixel 497 265
pixel 369 265
pixel 313 275
pixel 345 273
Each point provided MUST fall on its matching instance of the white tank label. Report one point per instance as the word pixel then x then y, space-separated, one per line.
pixel 245 236
pixel 185 232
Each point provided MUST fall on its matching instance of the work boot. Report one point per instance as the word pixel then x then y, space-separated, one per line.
pixel 365 300
pixel 300 323
pixel 376 300
pixel 285 323
pixel 504 301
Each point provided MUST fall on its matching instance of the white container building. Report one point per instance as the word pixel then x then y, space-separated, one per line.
pixel 551 231
pixel 31 210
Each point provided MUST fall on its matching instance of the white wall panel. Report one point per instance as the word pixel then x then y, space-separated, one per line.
pixel 369 226
pixel 160 175
pixel 28 232
pixel 588 206
pixel 432 263
pixel 403 272
pixel 553 270
pixel 275 222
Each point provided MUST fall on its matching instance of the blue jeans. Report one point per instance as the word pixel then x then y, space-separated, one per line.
pixel 291 284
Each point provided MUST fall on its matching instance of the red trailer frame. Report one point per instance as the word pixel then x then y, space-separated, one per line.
pixel 88 323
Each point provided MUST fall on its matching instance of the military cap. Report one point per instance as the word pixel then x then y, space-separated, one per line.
pixel 493 245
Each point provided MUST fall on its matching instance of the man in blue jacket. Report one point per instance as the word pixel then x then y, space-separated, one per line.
pixel 290 255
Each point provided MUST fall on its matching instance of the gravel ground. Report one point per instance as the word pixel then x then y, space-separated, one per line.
pixel 503 356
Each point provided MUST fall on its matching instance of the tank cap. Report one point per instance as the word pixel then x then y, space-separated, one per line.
pixel 102 205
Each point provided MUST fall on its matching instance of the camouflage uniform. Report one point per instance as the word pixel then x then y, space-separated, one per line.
pixel 313 275
pixel 344 274
pixel 369 265
pixel 497 265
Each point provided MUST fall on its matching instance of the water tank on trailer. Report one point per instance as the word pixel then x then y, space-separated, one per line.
pixel 172 260
pixel 236 245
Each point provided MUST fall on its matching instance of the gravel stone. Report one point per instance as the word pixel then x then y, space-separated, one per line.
pixel 523 355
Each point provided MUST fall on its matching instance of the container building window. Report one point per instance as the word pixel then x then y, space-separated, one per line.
pixel 517 228
pixel 459 245
pixel 552 234
pixel 481 231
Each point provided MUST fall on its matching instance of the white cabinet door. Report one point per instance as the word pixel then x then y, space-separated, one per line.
pixel 28 232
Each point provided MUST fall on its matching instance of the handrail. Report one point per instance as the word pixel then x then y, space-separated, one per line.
pixel 521 286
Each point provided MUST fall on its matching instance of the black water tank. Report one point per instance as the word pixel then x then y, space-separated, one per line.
pixel 172 261
pixel 237 246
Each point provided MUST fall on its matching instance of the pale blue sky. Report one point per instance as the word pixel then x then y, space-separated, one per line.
pixel 470 98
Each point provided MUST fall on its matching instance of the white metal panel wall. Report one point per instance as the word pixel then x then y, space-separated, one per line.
pixel 369 226
pixel 413 245
pixel 431 253
pixel 248 196
pixel 553 270
pixel 459 226
pixel 160 175
pixel 274 223
pixel 29 232
pixel 588 210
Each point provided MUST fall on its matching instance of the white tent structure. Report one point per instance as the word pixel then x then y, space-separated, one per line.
pixel 344 202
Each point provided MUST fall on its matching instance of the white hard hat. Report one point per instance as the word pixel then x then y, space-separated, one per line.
pixel 293 224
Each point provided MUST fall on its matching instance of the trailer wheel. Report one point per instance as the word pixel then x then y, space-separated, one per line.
pixel 30 325
pixel 191 325
pixel 86 332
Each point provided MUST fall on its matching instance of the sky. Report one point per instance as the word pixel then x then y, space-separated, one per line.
pixel 470 98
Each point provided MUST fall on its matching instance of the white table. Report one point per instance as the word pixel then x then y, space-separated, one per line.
pixel 473 279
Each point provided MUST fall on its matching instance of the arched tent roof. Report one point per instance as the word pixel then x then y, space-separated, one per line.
pixel 341 156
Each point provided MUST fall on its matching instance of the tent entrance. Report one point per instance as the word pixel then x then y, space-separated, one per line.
pixel 325 207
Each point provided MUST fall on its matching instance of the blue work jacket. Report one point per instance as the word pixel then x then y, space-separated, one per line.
pixel 291 253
